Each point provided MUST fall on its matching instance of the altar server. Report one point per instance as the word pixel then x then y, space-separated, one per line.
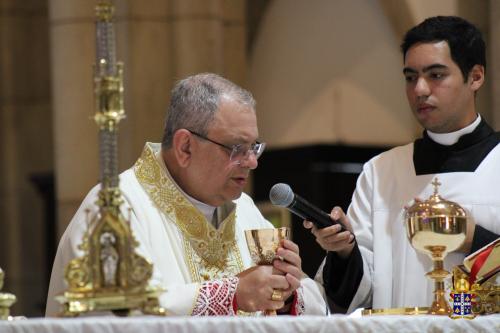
pixel 444 68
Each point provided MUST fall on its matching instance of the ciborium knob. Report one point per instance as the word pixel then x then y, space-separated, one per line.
pixel 436 227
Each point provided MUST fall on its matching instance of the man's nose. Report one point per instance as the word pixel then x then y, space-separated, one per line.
pixel 249 161
pixel 422 87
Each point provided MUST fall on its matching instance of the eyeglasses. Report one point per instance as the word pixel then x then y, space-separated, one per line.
pixel 240 151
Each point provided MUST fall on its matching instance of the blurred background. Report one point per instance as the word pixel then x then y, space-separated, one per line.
pixel 326 74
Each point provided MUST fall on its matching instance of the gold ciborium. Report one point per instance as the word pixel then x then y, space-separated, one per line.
pixel 436 227
pixel 263 244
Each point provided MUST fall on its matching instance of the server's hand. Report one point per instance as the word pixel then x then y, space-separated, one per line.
pixel 330 238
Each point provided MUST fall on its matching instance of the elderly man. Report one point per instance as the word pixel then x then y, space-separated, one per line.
pixel 189 214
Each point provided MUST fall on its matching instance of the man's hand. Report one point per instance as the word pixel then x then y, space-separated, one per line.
pixel 255 287
pixel 330 238
pixel 290 265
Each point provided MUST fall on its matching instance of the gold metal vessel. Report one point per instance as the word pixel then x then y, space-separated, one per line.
pixel 396 311
pixel 111 275
pixel 263 244
pixel 436 227
pixel 6 300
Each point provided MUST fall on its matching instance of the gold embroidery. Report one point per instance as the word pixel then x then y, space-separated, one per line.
pixel 202 272
pixel 211 253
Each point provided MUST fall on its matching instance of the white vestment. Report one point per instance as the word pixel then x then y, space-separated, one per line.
pixel 394 272
pixel 194 262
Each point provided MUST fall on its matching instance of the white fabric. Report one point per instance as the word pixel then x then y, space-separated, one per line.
pixel 280 324
pixel 448 139
pixel 161 241
pixel 393 270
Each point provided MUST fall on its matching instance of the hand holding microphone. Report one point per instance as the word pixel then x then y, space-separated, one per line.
pixel 333 232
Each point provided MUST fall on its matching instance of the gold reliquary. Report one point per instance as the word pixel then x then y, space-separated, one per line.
pixel 110 276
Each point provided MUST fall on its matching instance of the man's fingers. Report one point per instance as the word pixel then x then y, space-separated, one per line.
pixel 308 224
pixel 294 285
pixel 335 213
pixel 278 282
pixel 288 244
pixel 293 281
pixel 288 268
pixel 342 236
pixel 289 256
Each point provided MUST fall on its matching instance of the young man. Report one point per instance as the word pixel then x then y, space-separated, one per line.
pixel 444 67
pixel 189 214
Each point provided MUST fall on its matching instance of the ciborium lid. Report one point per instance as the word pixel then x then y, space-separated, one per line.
pixel 434 206
pixel 436 226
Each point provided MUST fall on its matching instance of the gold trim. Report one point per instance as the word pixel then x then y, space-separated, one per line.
pixel 201 239
pixel 396 311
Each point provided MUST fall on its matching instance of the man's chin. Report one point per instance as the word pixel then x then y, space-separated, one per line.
pixel 236 195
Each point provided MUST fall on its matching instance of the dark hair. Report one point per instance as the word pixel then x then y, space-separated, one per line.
pixel 465 41
pixel 195 100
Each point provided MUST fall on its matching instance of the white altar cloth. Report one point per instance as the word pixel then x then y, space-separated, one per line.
pixel 281 324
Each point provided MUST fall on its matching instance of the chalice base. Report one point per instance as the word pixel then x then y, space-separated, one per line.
pixel 270 313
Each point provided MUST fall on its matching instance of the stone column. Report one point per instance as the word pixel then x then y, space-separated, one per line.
pixel 144 44
pixel 209 36
pixel 72 36
pixel 235 41
pixel 25 149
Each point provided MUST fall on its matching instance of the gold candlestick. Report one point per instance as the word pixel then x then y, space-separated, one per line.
pixel 6 300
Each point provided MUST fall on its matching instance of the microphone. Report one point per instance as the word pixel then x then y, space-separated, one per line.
pixel 282 195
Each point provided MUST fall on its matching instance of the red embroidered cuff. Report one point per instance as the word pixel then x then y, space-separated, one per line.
pixel 216 298
pixel 298 307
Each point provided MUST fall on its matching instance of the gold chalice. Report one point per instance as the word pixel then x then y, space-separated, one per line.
pixel 436 227
pixel 262 244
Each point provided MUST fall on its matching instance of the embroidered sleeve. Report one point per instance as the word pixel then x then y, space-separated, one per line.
pixel 298 307
pixel 215 298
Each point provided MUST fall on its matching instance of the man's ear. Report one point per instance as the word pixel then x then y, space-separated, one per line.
pixel 476 77
pixel 182 146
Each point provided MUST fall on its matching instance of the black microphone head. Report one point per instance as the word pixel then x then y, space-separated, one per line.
pixel 281 195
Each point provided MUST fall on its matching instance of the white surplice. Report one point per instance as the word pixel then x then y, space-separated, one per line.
pixel 195 262
pixel 394 272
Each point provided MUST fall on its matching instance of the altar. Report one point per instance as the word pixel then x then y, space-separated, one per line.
pixel 306 324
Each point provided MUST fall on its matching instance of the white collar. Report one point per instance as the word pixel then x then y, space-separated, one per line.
pixel 206 210
pixel 448 139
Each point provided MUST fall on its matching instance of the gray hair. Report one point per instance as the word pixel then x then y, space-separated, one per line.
pixel 195 101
